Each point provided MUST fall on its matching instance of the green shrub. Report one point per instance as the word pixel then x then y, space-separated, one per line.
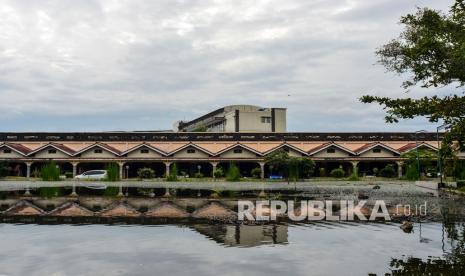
pixel 146 173
pixel 35 173
pixel 306 167
pixel 354 175
pixel 50 172
pixel 69 174
pixel 388 171
pixel 412 172
pixel 3 169
pixel 322 172
pixel 256 172
pixel 50 192
pixel 218 173
pixel 198 175
pixel 112 172
pixel 375 171
pixel 173 176
pixel 233 173
pixel 462 175
pixel 337 173
pixel 458 169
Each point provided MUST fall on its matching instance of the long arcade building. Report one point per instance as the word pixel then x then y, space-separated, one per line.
pixel 25 153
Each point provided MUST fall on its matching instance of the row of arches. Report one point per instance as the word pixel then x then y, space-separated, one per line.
pixel 129 169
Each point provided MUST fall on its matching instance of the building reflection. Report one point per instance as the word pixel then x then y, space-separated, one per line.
pixel 244 235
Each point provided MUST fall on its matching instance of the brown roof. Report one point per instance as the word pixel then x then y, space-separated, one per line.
pixel 364 147
pixel 64 148
pixel 19 147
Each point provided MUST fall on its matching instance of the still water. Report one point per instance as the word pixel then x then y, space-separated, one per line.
pixel 202 249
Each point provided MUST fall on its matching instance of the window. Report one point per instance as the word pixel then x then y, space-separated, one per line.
pixel 376 150
pixel 145 151
pixel 6 151
pixel 237 151
pixel 191 151
pixel 331 150
pixel 98 151
pixel 52 151
pixel 266 120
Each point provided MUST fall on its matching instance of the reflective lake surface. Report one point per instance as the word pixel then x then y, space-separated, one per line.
pixel 323 248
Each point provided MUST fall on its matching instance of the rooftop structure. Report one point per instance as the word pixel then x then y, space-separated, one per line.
pixel 237 118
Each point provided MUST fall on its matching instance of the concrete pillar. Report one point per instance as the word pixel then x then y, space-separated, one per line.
pixel 262 169
pixel 167 172
pixel 28 169
pixel 214 164
pixel 399 168
pixel 75 164
pixel 121 169
pixel 354 166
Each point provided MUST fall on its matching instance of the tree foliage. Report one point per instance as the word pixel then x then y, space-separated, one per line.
pixel 50 172
pixel 3 169
pixel 431 50
pixel 293 167
pixel 112 172
pixel 146 173
pixel 233 173
pixel 173 173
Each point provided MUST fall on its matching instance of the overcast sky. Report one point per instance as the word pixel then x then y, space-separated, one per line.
pixel 141 65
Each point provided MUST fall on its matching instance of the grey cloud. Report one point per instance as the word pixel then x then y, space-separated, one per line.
pixel 104 65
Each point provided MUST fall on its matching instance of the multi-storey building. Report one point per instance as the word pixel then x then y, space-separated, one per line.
pixel 237 118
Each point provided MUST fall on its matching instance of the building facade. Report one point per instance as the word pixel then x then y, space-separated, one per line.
pixel 237 118
pixel 75 153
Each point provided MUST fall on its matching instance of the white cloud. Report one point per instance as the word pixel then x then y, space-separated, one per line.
pixel 171 59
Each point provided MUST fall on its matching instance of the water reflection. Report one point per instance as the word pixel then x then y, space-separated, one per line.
pixel 329 248
pixel 452 262
pixel 244 235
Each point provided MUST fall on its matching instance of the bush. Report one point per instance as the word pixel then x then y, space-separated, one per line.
pixel 375 171
pixel 69 174
pixel 146 173
pixel 35 173
pixel 3 169
pixel 412 172
pixel 112 172
pixel 50 172
pixel 256 172
pixel 306 167
pixel 198 175
pixel 218 173
pixel 233 173
pixel 173 176
pixel 322 172
pixel 337 173
pixel 354 175
pixel 388 171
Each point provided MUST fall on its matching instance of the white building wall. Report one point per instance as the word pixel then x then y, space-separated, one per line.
pixel 12 154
